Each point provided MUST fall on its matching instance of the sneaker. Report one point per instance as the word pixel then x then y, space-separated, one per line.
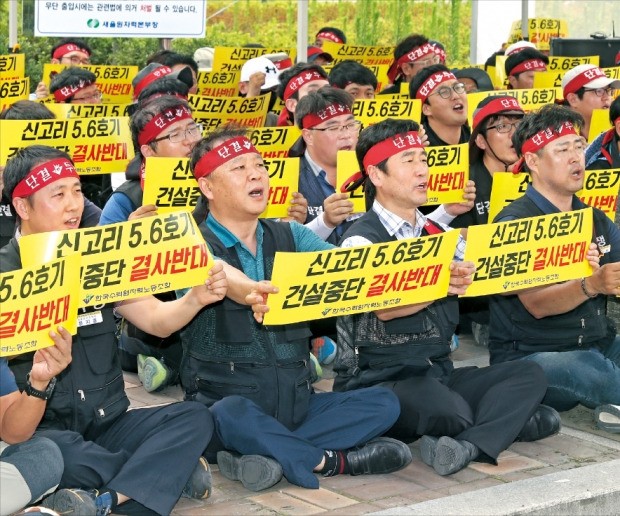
pixel 452 455
pixel 324 349
pixel 75 502
pixel 608 418
pixel 428 447
pixel 255 472
pixel 316 371
pixel 153 373
pixel 378 456
pixel 199 483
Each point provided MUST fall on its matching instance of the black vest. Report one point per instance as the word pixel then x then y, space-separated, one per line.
pixel 515 333
pixel 90 393
pixel 132 189
pixel 227 352
pixel 373 351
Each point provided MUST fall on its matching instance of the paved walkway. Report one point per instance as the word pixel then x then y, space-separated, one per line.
pixel 579 444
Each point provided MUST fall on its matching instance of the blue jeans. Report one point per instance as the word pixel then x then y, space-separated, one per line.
pixel 588 376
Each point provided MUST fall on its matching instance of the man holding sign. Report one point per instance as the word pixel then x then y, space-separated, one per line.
pixel 563 326
pixel 256 378
pixel 464 414
pixel 125 455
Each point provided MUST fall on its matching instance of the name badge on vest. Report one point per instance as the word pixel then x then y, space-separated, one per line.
pixel 89 318
pixel 603 247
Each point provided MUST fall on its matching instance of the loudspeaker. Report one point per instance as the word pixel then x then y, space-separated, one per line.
pixel 605 48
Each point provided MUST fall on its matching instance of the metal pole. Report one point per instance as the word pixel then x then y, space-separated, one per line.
pixel 525 22
pixel 302 30
pixel 12 25
pixel 473 37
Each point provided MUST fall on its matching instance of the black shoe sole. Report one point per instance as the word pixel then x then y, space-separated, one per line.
pixel 255 472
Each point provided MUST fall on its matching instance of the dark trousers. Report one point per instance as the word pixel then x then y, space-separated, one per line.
pixel 335 421
pixel 486 406
pixel 147 454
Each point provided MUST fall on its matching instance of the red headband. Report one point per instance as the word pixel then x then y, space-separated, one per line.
pixel 221 154
pixel 330 36
pixel 546 136
pixel 69 47
pixel 496 107
pixel 158 73
pixel 387 148
pixel 299 80
pixel 159 122
pixel 66 92
pixel 331 111
pixel 529 65
pixel 582 79
pixel 410 57
pixel 429 84
pixel 43 175
pixel 283 64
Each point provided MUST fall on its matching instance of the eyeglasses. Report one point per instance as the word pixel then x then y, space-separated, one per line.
pixel 77 60
pixel 504 128
pixel 191 132
pixel 351 127
pixel 600 92
pixel 96 96
pixel 445 92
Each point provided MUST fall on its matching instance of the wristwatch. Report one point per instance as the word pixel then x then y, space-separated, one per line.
pixel 44 395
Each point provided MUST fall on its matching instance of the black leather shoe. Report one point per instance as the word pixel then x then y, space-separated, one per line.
pixel 544 422
pixel 380 455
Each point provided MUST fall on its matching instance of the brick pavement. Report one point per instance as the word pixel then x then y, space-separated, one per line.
pixel 578 444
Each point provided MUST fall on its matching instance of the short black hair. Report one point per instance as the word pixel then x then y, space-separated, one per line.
pixel 348 71
pixel 549 116
pixel 407 44
pixel 148 110
pixel 374 134
pixel 336 32
pixel 294 70
pixel 614 110
pixel 319 100
pixel 422 75
pixel 27 110
pixel 71 76
pixel 71 41
pixel 171 58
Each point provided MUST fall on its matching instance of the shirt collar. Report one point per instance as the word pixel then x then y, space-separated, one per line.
pixel 226 237
pixel 316 170
pixel 393 223
pixel 545 205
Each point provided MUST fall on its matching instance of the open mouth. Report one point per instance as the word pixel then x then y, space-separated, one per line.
pixel 75 222
pixel 256 193
pixel 422 186
pixel 458 107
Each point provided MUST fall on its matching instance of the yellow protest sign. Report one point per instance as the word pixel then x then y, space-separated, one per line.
pixel 612 72
pixel 89 110
pixel 12 66
pixel 529 252
pixel 13 90
pixel 367 55
pixel 358 279
pixel 275 142
pixel 212 112
pixel 371 111
pixel 564 64
pixel 231 59
pixel 129 259
pixel 35 300
pixel 529 99
pixel 506 188
pixel 170 185
pixel 283 181
pixel 217 84
pixel 113 81
pixel 346 166
pixel 540 31
pixel 599 123
pixel 548 79
pixel 96 145
pixel 498 73
pixel 448 173
pixel 600 190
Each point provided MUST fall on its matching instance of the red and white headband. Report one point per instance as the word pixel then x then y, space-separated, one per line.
pixel 529 65
pixel 66 92
pixel 158 123
pixel 150 77
pixel 330 36
pixel 69 47
pixel 431 83
pixel 300 80
pixel 582 79
pixel 496 107
pixel 44 174
pixel 393 145
pixel 223 153
pixel 546 136
pixel 331 111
